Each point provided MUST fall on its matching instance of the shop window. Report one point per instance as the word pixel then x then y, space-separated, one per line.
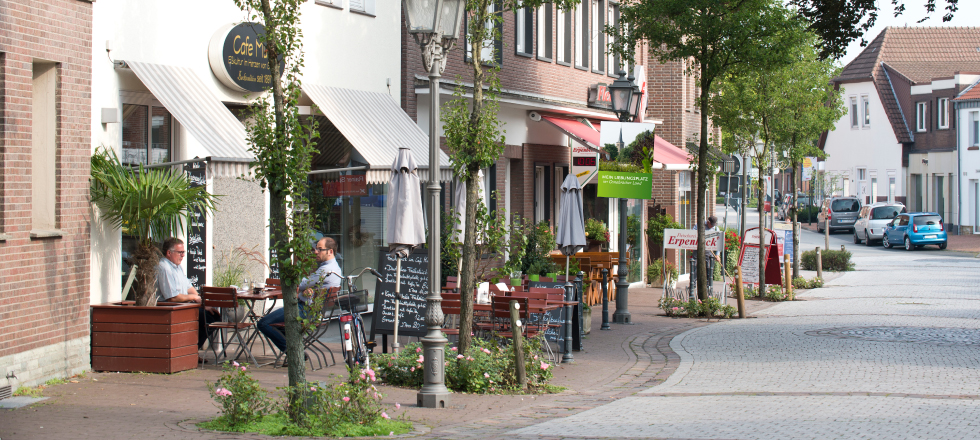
pixel 942 111
pixel 545 31
pixel 365 7
pixel 613 58
pixel 147 134
pixel 524 31
pixel 44 164
pixel 491 49
pixel 920 116
pixel 598 36
pixel 582 35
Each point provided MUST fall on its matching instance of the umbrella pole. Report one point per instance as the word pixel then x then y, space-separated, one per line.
pixel 395 347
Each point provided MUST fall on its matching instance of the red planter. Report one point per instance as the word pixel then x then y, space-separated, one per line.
pixel 159 339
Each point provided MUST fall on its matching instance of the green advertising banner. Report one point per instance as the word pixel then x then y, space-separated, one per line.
pixel 625 185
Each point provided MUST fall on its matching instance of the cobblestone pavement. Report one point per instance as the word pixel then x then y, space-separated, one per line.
pixel 889 351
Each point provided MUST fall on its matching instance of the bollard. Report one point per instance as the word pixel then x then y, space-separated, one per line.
pixel 567 356
pixel 741 294
pixel 605 300
pixel 516 328
pixel 819 263
pixel 787 274
pixel 842 248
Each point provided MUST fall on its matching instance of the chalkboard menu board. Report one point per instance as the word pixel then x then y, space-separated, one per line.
pixel 197 238
pixel 414 287
pixel 273 262
pixel 557 316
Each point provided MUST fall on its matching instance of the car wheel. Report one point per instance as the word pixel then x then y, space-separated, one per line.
pixel 856 239
pixel 942 245
pixel 885 243
pixel 867 238
pixel 908 244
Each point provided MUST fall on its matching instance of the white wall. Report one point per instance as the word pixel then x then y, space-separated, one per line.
pixel 874 147
pixel 969 169
pixel 342 49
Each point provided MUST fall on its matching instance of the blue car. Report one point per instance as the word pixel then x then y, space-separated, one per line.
pixel 915 229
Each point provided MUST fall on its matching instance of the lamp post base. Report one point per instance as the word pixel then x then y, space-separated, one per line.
pixel 622 318
pixel 434 400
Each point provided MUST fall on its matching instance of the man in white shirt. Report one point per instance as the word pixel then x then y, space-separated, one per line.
pixel 173 286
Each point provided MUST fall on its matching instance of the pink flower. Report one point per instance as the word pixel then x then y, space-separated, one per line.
pixel 453 349
pixel 459 356
pixel 385 415
pixel 412 369
pixel 535 357
pixel 469 358
pixel 418 350
pixel 243 368
pixel 312 388
pixel 398 405
pixel 486 375
pixel 346 399
pixel 544 366
pixel 486 351
pixel 235 363
pixel 420 359
pixel 362 376
pixel 222 392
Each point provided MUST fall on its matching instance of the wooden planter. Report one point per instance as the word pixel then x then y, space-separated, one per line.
pixel 159 339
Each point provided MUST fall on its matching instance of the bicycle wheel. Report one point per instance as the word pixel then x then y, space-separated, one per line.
pixel 359 343
pixel 347 341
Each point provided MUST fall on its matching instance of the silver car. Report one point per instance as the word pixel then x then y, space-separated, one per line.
pixel 838 213
pixel 873 219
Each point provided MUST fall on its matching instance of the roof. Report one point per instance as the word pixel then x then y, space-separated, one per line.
pixel 972 92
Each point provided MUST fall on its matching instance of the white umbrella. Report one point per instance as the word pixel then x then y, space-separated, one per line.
pixel 570 236
pixel 459 203
pixel 406 220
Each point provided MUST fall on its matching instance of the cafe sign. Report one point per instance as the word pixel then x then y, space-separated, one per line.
pixel 625 185
pixel 599 96
pixel 346 186
pixel 238 57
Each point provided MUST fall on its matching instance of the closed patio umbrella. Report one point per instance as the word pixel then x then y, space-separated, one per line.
pixel 406 220
pixel 459 203
pixel 571 220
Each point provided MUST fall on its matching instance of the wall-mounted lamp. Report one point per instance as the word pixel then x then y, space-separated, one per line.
pixel 925 161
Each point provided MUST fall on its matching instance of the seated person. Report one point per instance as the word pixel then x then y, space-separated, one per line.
pixel 173 286
pixel 326 250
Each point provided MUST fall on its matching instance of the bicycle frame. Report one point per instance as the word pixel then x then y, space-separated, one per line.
pixel 356 348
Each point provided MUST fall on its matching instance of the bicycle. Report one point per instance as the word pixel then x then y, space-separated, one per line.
pixel 356 347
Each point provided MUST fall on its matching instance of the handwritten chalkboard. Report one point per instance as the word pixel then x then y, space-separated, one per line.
pixel 414 287
pixel 197 239
pixel 556 316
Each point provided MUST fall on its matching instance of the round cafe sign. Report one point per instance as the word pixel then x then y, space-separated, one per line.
pixel 238 57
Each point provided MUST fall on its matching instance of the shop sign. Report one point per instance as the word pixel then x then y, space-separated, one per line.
pixel 238 57
pixel 625 185
pixel 346 186
pixel 599 96
pixel 585 163
pixel 687 239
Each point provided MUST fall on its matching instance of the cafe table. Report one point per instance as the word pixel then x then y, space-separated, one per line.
pixel 267 293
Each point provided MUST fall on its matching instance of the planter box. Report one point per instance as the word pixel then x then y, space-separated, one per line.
pixel 159 339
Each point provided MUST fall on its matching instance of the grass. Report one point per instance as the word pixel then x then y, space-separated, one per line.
pixel 29 391
pixel 38 391
pixel 279 424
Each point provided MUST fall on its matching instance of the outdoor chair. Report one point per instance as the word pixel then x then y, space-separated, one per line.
pixel 321 322
pixel 501 318
pixel 225 298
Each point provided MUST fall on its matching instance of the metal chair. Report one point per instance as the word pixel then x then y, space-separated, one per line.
pixel 321 322
pixel 225 298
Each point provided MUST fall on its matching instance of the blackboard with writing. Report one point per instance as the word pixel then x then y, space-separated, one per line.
pixel 557 316
pixel 196 229
pixel 414 287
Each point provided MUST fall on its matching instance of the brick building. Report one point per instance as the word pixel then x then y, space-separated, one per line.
pixel 45 144
pixel 553 67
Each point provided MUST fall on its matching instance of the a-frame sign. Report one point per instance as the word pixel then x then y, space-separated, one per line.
pixel 748 258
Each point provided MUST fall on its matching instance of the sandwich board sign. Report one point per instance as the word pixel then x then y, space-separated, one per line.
pixel 748 259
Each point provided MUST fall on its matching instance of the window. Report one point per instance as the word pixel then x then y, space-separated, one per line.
pixel 920 116
pixel 613 58
pixel 598 41
pixel 524 31
pixel 565 37
pixel 365 7
pixel 974 134
pixel 44 164
pixel 491 48
pixel 545 31
pixel 854 112
pixel 147 132
pixel 862 173
pixel 891 189
pixel 582 35
pixel 866 111
pixel 942 111
pixel 874 190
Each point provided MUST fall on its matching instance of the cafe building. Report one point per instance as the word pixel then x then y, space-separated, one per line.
pixel 171 88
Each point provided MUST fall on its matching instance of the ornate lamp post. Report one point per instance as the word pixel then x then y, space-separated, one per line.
pixel 435 25
pixel 626 104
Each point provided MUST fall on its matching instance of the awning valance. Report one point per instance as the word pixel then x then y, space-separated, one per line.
pixel 186 97
pixel 574 129
pixel 376 126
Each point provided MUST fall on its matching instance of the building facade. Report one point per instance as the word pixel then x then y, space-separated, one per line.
pixel 966 114
pixel 45 79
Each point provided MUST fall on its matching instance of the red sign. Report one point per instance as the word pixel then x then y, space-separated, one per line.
pixel 346 186
pixel 599 96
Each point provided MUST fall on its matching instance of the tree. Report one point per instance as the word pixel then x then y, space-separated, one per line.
pixel 714 37
pixel 839 22
pixel 281 142
pixel 473 132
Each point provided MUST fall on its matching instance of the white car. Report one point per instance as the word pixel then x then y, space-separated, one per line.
pixel 873 219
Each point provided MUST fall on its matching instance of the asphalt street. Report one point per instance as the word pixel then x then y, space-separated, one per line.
pixel 890 350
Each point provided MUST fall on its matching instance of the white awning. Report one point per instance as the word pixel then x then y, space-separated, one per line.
pixel 186 97
pixel 376 126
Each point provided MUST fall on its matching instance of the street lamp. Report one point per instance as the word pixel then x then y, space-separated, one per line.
pixel 626 104
pixel 435 25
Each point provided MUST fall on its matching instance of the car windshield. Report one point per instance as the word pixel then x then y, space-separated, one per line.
pixel 845 205
pixel 885 212
pixel 921 220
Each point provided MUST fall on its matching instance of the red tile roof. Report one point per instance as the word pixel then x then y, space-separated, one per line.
pixel 972 92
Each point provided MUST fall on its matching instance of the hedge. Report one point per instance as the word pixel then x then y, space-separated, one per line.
pixel 834 261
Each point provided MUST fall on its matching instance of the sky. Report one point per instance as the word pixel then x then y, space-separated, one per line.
pixel 967 15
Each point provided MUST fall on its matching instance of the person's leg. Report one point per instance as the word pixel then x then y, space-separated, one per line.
pixel 270 332
pixel 205 317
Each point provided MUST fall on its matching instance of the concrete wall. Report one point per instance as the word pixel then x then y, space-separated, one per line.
pixel 241 202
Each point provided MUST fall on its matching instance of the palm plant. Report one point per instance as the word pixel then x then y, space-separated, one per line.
pixel 150 205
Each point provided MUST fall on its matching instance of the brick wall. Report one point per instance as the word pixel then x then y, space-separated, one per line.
pixel 44 282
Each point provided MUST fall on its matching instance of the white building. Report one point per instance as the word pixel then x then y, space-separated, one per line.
pixel 967 114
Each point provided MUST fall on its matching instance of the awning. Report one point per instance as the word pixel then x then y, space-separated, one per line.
pixel 574 129
pixel 376 126
pixel 186 97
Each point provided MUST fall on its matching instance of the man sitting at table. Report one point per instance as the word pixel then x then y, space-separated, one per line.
pixel 326 250
pixel 173 286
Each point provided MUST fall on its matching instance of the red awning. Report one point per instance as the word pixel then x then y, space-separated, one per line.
pixel 574 129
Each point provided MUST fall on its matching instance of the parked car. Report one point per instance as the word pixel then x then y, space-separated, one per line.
pixel 838 213
pixel 871 222
pixel 914 230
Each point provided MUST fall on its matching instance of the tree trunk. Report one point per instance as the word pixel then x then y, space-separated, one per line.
pixel 796 231
pixel 146 258
pixel 701 194
pixel 468 271
pixel 762 229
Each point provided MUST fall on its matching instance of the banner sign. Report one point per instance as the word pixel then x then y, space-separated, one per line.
pixel 346 186
pixel 687 239
pixel 625 185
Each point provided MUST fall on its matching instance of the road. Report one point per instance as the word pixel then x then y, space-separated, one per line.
pixel 888 351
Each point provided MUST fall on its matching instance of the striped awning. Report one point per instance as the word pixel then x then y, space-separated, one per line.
pixel 376 126
pixel 186 97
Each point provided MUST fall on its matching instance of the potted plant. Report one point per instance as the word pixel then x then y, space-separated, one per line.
pixel 596 233
pixel 150 205
pixel 233 269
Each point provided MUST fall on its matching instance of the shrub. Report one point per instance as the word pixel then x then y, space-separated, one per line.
pixel 834 261
pixel 776 293
pixel 354 402
pixel 807 214
pixel 657 224
pixel 240 396
pixel 654 271
pixel 803 283
pixel 596 230
pixel 710 308
pixel 815 283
